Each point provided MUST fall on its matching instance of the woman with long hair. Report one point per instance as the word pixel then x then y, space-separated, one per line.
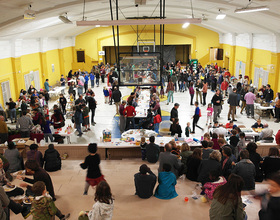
pixel 227 202
pixel 193 163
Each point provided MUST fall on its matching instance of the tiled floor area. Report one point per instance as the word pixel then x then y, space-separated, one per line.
pixel 69 182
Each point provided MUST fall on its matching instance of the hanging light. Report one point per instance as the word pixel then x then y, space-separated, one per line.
pixel 221 15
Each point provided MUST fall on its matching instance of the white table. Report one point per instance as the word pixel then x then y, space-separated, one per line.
pixel 258 106
pixel 57 90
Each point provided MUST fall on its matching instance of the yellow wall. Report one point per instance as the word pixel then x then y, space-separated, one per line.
pixel 199 38
pixel 14 69
pixel 255 58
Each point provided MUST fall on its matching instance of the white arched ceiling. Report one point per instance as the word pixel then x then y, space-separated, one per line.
pixel 47 24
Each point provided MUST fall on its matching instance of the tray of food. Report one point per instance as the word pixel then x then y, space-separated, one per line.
pixel 28 200
pixel 9 187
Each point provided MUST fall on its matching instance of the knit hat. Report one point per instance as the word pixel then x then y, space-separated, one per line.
pixel 92 148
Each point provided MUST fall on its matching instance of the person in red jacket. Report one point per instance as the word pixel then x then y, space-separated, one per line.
pixel 277 137
pixel 129 113
pixel 224 86
pixel 157 120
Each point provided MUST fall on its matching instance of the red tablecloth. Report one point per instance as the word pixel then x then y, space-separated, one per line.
pixel 38 137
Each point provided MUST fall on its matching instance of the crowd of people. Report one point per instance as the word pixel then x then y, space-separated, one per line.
pixel 223 168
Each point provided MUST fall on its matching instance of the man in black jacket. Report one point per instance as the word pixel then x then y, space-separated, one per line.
pixel 152 151
pixel 144 184
pixel 233 102
pixel 92 106
pixel 268 95
pixel 116 96
pixel 217 104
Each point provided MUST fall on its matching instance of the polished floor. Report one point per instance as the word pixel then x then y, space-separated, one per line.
pixel 69 182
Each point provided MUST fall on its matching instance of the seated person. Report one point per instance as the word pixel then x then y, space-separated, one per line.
pixel 152 151
pixel 185 153
pixel 52 159
pixel 266 133
pixel 168 157
pixel 213 163
pixel 34 154
pixel 39 174
pixel 175 128
pixel 4 181
pixel 241 143
pixel 167 182
pixel 258 124
pixel 233 140
pixel 193 163
pixel 215 181
pixel 206 150
pixel 43 206
pixel 145 183
pixel 13 156
pixel 226 162
pixel 175 149
pixel 246 169
pixel 271 163
pixel 229 124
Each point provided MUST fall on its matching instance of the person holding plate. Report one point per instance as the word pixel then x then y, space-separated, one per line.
pixel 11 190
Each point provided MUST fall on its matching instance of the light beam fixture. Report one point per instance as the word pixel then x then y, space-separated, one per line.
pixel 185 25
pixel 65 19
pixel 248 9
pixel 221 15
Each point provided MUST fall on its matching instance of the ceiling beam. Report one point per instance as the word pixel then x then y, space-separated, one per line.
pixel 140 22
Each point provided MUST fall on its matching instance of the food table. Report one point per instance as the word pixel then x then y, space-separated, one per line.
pixel 56 91
pixel 263 109
pixel 65 132
pixel 138 133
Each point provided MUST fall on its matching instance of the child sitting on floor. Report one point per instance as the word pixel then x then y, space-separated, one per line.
pixel 43 207
pixel 143 145
pixel 209 187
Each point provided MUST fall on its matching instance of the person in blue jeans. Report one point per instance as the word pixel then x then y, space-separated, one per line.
pixel 12 110
pixel 92 76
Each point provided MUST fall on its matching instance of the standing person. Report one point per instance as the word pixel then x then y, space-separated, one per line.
pixel 92 106
pixel 106 95
pixel 217 104
pixel 116 96
pixel 47 85
pixel 12 110
pixel 170 91
pixel 227 202
pixel 71 90
pixel 63 103
pixel 24 124
pixel 198 89
pixel 175 128
pixel 244 91
pixel 102 73
pixel 174 79
pixel 144 184
pixel 250 97
pixel 122 116
pixel 86 82
pixel 78 119
pixel 224 87
pixel 174 112
pixel 47 131
pixel 80 86
pixel 91 163
pixel 167 182
pixel 92 76
pixel 97 76
pixel 196 116
pixel 129 113
pixel 104 203
pixel 204 92
pixel 233 102
pixel 209 114
pixel 62 81
pixel 268 96
pixel 85 113
pixel 191 91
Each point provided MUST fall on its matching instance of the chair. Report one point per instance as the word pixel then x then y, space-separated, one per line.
pixel 164 127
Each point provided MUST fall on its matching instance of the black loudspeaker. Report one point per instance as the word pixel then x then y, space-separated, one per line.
pixel 220 54
pixel 81 56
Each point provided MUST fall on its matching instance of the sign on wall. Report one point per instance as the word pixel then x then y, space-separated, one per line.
pixel 101 53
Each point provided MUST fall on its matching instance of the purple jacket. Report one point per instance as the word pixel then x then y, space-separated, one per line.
pixel 191 90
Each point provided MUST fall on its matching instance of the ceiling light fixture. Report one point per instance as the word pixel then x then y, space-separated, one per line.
pixel 248 9
pixel 65 19
pixel 221 15
pixel 185 25
pixel 251 9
